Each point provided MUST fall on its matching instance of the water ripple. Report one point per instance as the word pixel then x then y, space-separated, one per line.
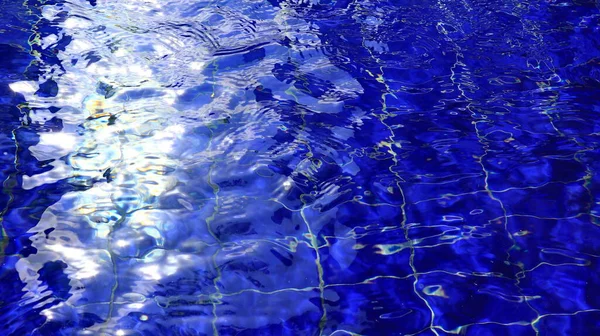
pixel 299 167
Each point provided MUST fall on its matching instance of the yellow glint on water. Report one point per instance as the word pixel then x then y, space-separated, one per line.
pixel 435 290
pixel 95 106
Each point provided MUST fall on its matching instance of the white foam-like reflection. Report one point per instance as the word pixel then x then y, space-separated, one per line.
pixel 53 144
pixel 151 272
pixel 197 65
pixel 86 268
pixel 24 87
pixel 76 23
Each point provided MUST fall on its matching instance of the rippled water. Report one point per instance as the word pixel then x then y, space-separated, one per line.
pixel 300 167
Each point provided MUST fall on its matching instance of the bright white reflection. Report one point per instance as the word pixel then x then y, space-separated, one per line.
pixel 197 65
pixel 48 313
pixel 122 243
pixel 77 257
pixel 151 272
pixel 78 46
pixel 76 22
pixel 24 87
pixel 63 141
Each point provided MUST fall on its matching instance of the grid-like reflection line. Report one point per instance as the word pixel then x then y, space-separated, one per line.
pixel 461 61
pixel 389 145
pixel 286 12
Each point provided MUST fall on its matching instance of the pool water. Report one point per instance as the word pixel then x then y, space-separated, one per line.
pixel 300 167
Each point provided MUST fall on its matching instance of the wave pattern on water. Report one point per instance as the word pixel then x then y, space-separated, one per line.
pixel 299 167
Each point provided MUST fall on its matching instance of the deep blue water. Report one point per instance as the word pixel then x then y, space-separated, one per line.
pixel 300 167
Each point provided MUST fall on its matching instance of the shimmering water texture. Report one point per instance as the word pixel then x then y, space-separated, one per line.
pixel 300 167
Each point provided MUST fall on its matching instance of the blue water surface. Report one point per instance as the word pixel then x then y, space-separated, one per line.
pixel 300 167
